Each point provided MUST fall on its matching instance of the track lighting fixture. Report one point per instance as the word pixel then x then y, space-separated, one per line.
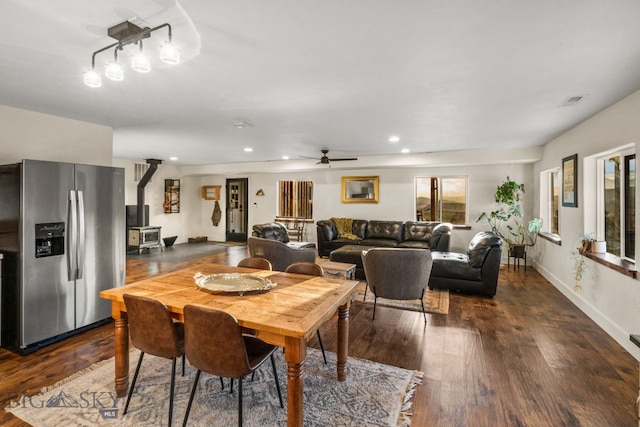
pixel 128 33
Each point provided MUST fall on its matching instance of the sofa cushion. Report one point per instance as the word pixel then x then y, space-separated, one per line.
pixel 300 245
pixel 384 230
pixel 418 231
pixel 328 228
pixel 454 266
pixel 414 244
pixel 360 228
pixel 383 243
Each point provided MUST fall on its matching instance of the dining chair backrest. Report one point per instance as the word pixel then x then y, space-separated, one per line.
pixel 151 327
pixel 256 262
pixel 308 268
pixel 220 350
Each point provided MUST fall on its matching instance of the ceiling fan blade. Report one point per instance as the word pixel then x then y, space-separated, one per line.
pixel 343 159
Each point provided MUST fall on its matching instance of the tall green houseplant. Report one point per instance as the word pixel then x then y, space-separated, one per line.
pixel 506 221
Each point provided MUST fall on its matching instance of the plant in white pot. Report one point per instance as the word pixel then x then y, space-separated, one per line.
pixel 506 221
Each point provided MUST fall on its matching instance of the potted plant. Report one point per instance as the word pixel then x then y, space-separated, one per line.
pixel 506 221
pixel 579 265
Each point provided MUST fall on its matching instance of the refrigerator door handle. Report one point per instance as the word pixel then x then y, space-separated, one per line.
pixel 72 237
pixel 81 235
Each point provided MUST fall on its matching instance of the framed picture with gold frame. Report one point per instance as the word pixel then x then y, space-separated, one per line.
pixel 360 189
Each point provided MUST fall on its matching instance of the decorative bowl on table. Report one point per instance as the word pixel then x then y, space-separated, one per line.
pixel 233 283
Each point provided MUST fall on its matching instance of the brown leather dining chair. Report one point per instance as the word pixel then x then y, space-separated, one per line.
pixel 153 331
pixel 256 262
pixel 224 350
pixel 310 269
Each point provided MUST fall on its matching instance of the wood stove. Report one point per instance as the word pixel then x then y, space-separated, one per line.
pixel 143 237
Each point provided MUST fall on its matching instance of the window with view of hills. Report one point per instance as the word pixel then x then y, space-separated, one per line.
pixel 441 199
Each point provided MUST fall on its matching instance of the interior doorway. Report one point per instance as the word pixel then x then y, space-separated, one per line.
pixel 237 212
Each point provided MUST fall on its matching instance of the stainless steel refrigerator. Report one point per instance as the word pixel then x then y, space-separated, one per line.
pixel 62 234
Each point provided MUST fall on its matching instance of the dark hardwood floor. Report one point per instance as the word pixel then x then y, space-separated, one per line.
pixel 527 357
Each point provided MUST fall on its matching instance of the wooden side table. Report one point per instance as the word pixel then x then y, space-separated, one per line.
pixel 339 270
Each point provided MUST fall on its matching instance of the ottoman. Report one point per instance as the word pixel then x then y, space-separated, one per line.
pixel 351 254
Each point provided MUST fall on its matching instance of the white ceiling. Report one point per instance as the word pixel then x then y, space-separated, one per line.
pixel 342 75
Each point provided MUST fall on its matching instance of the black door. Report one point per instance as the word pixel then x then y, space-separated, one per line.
pixel 237 213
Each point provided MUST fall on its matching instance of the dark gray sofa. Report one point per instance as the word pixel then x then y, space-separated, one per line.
pixel 390 234
pixel 474 272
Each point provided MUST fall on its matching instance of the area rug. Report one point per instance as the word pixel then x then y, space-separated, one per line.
pixel 435 301
pixel 373 395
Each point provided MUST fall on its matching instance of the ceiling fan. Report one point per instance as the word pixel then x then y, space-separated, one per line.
pixel 325 160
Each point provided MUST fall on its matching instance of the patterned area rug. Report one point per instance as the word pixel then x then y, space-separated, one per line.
pixel 435 302
pixel 373 395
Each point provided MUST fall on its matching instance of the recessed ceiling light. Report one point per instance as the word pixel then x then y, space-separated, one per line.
pixel 394 139
pixel 285 157
pixel 405 150
pixel 173 158
pixel 241 124
pixel 248 149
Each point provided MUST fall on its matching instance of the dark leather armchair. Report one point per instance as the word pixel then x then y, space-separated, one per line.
pixel 278 253
pixel 397 273
pixel 278 232
pixel 475 272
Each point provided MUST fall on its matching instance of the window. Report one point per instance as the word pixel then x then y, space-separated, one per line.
pixel 550 201
pixel 616 203
pixel 441 199
pixel 296 199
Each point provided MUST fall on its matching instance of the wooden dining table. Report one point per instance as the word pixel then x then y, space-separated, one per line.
pixel 287 315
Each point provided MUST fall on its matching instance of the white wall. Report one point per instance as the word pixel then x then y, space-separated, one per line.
pixel 397 196
pixel 29 135
pixel 183 224
pixel 610 298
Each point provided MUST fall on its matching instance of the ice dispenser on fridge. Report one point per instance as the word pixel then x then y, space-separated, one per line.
pixel 49 239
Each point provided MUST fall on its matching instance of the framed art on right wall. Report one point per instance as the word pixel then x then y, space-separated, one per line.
pixel 570 181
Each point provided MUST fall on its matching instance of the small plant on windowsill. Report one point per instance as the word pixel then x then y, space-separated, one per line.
pixel 580 266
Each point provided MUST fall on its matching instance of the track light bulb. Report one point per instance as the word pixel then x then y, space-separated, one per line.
pixel 169 53
pixel 140 62
pixel 92 78
pixel 114 71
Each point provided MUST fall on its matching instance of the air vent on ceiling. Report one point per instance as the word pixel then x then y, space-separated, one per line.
pixel 139 169
pixel 572 101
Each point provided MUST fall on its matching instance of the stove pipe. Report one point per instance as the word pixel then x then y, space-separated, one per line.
pixel 153 165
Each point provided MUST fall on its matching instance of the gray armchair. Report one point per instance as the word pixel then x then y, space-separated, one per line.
pixel 278 253
pixel 397 273
pixel 476 271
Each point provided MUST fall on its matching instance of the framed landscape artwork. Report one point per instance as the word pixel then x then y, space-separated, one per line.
pixel 570 181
